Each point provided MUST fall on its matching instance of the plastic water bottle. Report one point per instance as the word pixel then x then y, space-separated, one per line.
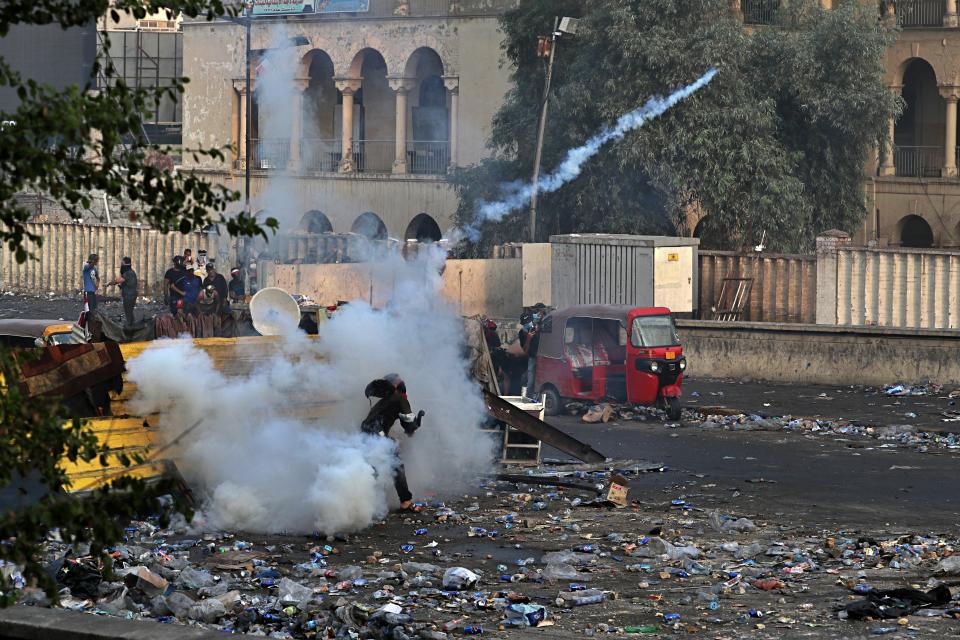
pixel 590 596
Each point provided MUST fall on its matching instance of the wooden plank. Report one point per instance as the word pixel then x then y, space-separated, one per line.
pixel 523 421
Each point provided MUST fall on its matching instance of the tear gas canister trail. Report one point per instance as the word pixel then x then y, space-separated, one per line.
pixel 517 194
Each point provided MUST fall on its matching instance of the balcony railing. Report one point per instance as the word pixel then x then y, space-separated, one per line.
pixel 373 156
pixel 918 162
pixel 921 13
pixel 318 154
pixel 270 154
pixel 429 7
pixel 759 11
pixel 428 157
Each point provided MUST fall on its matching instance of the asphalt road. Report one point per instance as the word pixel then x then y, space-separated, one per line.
pixel 811 480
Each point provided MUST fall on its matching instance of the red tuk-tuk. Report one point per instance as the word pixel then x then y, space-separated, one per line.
pixel 591 352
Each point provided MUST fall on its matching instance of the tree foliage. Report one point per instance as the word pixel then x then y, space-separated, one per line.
pixel 69 143
pixel 66 144
pixel 775 146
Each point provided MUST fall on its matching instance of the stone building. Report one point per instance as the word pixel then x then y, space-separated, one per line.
pixel 912 189
pixel 387 99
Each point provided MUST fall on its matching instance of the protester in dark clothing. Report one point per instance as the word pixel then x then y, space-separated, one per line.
pixel 127 281
pixel 235 286
pixel 218 282
pixel 191 291
pixel 177 278
pixel 392 406
pixel 91 280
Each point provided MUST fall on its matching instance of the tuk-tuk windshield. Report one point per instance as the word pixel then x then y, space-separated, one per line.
pixel 654 331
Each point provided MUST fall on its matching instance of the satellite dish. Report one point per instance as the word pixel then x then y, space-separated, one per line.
pixel 274 312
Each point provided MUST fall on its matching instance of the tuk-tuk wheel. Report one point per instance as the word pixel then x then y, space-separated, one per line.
pixel 673 408
pixel 552 402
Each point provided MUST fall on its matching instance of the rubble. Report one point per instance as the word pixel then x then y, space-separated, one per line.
pixel 516 555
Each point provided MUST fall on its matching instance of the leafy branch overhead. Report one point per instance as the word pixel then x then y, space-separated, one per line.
pixel 777 144
pixel 68 144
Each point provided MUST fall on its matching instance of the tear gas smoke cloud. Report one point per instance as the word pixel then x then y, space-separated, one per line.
pixel 275 99
pixel 263 471
pixel 517 194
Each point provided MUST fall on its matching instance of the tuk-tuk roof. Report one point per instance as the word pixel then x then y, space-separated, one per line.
pixel 551 343
pixel 31 328
pixel 606 311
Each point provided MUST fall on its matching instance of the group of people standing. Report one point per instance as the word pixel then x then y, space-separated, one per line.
pixel 188 293
pixel 184 290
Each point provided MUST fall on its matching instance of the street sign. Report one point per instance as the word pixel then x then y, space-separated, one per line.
pixel 285 7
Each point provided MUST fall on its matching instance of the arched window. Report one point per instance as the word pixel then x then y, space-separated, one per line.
pixel 915 233
pixel 919 132
pixel 315 222
pixel 370 225
pixel 423 228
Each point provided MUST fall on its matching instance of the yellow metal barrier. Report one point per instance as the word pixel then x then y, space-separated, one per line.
pixel 126 433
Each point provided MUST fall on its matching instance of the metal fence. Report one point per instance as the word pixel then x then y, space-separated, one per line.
pixel 428 157
pixel 429 7
pixel 374 156
pixel 320 155
pixel 784 286
pixel 271 153
pixel 921 13
pixel 918 162
pixel 759 11
pixel 56 265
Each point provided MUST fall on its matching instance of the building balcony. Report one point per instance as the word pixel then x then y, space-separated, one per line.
pixel 920 162
pixel 320 155
pixel 920 14
pixel 428 157
pixel 759 12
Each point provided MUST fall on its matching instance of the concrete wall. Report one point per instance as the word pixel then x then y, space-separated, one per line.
pixel 783 288
pixel 537 273
pixel 490 287
pixel 57 264
pixel 809 354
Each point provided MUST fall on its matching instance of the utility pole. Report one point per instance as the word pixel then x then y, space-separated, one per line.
pixel 249 118
pixel 543 124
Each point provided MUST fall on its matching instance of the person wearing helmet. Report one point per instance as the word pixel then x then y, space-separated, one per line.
pixel 392 406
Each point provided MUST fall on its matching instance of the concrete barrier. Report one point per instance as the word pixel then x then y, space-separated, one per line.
pixel 36 623
pixel 806 353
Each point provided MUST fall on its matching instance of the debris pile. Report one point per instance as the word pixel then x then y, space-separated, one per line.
pixel 520 554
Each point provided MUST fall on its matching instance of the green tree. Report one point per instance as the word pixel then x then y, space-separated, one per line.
pixel 776 144
pixel 66 144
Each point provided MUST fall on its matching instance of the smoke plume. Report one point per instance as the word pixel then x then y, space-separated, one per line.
pixel 517 194
pixel 263 470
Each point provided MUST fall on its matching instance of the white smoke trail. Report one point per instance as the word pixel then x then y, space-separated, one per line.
pixel 517 194
pixel 262 470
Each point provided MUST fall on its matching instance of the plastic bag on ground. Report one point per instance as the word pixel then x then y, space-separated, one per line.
pixel 350 572
pixel 525 615
pixel 293 592
pixel 459 578
pixel 420 567
pixel 179 604
pixel 726 524
pixel 563 571
pixel 209 610
pixel 949 565
pixel 561 557
pixel 660 547
pixel 195 578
